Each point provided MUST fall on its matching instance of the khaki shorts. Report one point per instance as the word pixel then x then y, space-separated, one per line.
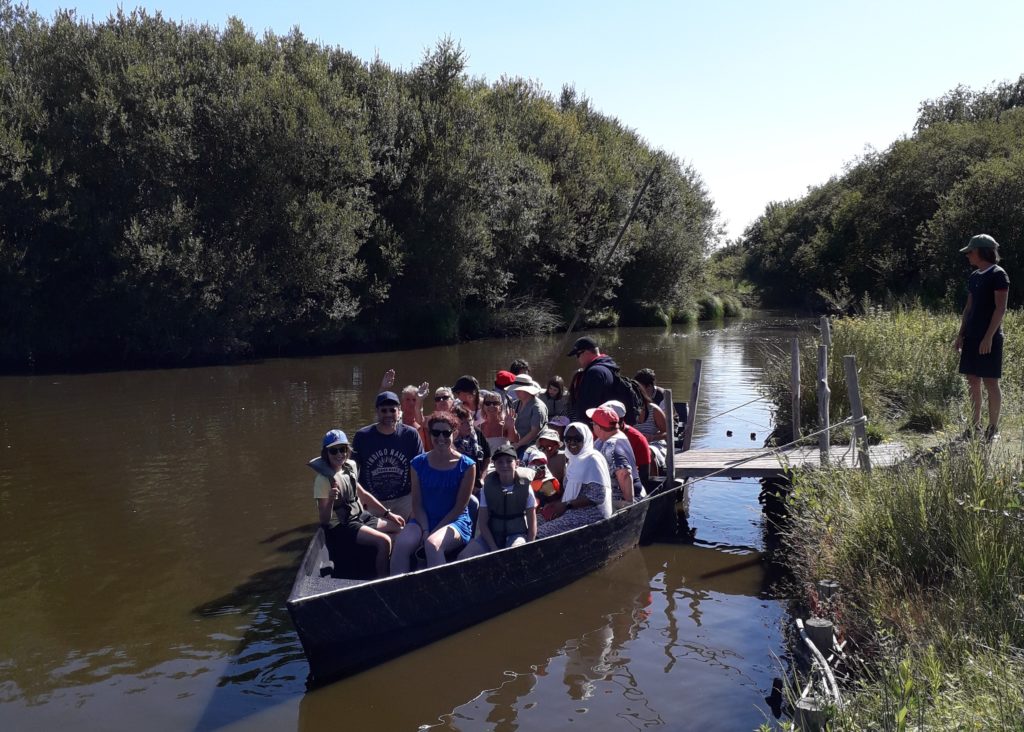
pixel 401 506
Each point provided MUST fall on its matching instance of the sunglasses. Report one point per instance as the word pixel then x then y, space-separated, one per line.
pixel 492 404
pixel 338 450
pixel 442 399
pixel 441 433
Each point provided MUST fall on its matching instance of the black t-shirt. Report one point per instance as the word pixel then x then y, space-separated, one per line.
pixel 982 286
pixel 383 460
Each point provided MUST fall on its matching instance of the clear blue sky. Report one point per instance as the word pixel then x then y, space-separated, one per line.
pixel 764 98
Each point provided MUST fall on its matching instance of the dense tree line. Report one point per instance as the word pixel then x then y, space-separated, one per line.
pixel 175 193
pixel 891 224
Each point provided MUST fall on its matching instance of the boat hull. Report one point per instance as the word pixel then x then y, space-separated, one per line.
pixel 346 626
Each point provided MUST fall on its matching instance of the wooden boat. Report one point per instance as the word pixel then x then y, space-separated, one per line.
pixel 348 625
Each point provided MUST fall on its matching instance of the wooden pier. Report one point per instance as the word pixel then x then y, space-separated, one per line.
pixel 737 462
pixel 763 462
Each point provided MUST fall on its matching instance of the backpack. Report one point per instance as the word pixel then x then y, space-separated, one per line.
pixel 630 393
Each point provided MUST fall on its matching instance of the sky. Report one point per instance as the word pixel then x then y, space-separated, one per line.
pixel 763 98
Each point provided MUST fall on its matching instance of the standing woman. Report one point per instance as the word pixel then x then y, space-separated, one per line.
pixel 587 496
pixel 442 482
pixel 980 340
pixel 555 398
pixel 340 501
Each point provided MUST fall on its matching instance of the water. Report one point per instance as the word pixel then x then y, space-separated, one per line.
pixel 150 525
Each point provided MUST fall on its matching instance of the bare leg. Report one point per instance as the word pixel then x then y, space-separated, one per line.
pixel 974 387
pixel 379 541
pixel 474 548
pixel 995 403
pixel 439 543
pixel 404 545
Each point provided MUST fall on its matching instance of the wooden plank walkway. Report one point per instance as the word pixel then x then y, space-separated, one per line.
pixel 699 463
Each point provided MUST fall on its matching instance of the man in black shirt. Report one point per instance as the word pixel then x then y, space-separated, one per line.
pixel 980 340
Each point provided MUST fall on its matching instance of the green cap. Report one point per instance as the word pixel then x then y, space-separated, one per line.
pixel 981 241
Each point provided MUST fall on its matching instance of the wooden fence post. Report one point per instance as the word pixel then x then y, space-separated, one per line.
pixel 794 384
pixel 860 428
pixel 824 398
pixel 670 434
pixel 826 331
pixel 694 394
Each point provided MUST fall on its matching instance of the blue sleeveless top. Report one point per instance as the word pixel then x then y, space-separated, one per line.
pixel 439 489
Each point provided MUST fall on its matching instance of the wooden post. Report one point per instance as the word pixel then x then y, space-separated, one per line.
pixel 824 397
pixel 794 384
pixel 820 631
pixel 826 331
pixel 694 394
pixel 670 435
pixel 809 715
pixel 860 429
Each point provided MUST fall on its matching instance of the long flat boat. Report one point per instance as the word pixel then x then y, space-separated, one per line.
pixel 347 625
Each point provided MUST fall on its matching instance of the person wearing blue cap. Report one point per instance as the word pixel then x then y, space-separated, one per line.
pixel 384 451
pixel 980 340
pixel 340 500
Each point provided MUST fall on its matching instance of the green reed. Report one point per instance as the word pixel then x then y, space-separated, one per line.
pixel 931 561
pixel 907 368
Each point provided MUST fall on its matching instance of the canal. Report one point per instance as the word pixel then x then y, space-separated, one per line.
pixel 151 521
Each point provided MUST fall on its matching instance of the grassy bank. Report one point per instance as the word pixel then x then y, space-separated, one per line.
pixel 930 556
pixel 907 371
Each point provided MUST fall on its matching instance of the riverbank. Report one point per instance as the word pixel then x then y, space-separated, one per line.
pixel 930 556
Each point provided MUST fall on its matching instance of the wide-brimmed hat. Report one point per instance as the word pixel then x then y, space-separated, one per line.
pixel 524 382
pixel 604 417
pixel 981 241
pixel 334 438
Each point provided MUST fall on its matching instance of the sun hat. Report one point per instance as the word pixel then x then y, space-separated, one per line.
pixel 582 344
pixel 386 397
pixel 524 382
pixel 503 379
pixel 333 438
pixel 604 417
pixel 981 241
pixel 536 457
pixel 616 406
pixel 507 451
pixel 549 434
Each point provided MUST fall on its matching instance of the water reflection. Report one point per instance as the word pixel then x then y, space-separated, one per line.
pixel 145 577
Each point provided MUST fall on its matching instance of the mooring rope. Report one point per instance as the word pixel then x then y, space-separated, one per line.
pixel 727 411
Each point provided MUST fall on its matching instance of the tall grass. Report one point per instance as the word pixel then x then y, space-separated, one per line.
pixel 931 561
pixel 907 368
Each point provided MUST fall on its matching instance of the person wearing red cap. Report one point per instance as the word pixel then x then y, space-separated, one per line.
pixel 613 444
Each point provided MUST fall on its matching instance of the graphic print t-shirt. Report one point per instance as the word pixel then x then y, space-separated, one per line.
pixel 383 460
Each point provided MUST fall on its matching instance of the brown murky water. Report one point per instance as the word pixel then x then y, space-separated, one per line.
pixel 150 523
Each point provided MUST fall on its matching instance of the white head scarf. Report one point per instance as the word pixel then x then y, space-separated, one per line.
pixel 587 467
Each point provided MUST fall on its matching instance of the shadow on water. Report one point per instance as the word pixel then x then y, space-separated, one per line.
pixel 504 656
pixel 267 663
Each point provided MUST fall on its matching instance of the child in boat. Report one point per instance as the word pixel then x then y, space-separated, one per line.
pixel 508 507
pixel 545 486
pixel 340 501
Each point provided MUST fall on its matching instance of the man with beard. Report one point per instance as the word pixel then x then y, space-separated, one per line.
pixel 383 451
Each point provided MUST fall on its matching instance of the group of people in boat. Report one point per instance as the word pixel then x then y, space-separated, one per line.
pixel 489 469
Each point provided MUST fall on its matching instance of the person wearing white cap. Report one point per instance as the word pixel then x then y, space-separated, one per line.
pixel 980 340
pixel 531 414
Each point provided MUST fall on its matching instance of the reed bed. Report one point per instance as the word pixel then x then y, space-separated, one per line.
pixel 930 555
